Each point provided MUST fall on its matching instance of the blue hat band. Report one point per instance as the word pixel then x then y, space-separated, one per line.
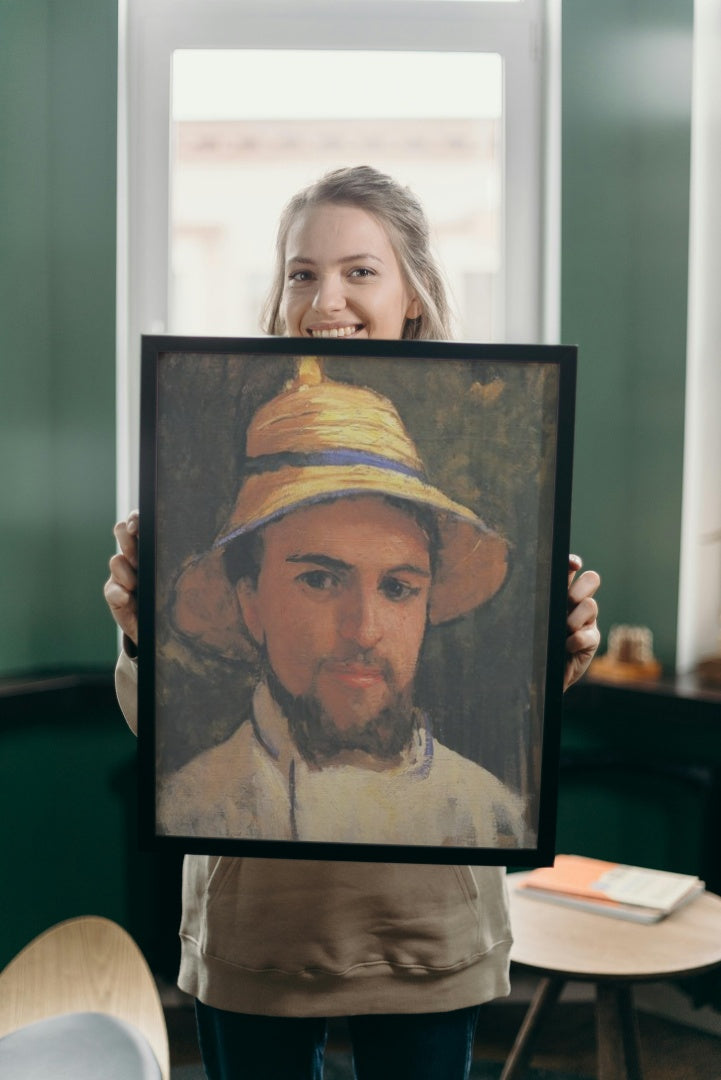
pixel 274 462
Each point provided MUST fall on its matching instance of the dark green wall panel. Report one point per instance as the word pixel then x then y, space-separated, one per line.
pixel 26 398
pixel 63 787
pixel 626 144
pixel 68 798
pixel 58 76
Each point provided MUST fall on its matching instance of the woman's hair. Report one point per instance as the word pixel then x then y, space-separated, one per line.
pixel 403 217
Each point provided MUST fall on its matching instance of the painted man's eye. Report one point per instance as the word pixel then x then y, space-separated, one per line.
pixel 321 580
pixel 395 589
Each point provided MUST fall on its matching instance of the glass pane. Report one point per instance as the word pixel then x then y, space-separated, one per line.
pixel 250 128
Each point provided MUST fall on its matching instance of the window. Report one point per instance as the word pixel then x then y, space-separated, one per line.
pixel 236 160
pixel 227 107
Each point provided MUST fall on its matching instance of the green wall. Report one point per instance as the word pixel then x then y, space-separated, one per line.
pixel 58 72
pixel 626 145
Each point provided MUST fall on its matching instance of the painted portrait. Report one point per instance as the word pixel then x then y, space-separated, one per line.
pixel 352 597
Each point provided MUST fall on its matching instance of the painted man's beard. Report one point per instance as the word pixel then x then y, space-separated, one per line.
pixel 383 736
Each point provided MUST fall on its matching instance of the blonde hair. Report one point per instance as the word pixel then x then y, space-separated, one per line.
pixel 403 217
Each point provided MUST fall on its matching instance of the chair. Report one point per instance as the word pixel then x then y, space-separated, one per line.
pixel 79 1002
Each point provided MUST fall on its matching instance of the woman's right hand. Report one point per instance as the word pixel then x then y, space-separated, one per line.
pixel 121 587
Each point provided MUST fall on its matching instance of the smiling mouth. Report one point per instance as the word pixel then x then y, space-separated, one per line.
pixel 335 331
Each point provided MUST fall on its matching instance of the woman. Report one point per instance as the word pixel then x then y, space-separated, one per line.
pixel 407 953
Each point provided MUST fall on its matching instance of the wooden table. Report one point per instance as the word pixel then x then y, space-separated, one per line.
pixel 563 944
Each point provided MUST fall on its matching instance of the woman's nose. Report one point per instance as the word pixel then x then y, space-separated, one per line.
pixel 329 296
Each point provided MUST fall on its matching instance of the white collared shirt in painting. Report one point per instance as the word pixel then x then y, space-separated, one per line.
pixel 256 785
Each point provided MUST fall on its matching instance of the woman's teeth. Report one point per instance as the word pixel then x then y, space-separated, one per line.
pixel 337 331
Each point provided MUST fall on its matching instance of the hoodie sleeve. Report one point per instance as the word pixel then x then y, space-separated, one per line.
pixel 126 688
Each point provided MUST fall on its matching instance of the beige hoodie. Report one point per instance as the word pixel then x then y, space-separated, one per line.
pixel 297 938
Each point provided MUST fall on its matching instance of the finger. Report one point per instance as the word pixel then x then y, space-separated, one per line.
pixel 126 534
pixel 123 573
pixel 123 608
pixel 582 614
pixel 585 585
pixel 581 651
pixel 575 563
pixel 583 641
pixel 118 598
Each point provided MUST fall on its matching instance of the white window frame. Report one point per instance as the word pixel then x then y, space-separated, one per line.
pixel 699 597
pixel 526 34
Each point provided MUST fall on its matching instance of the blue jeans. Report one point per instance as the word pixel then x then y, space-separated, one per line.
pixel 414 1046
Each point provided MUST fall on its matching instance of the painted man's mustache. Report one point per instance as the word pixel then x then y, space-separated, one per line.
pixel 364 659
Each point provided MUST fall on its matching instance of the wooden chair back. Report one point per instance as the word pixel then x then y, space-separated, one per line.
pixel 87 964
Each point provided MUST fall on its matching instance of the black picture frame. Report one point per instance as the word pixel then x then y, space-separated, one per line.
pixel 493 425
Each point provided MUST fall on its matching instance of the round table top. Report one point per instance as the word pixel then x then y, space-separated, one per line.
pixel 559 940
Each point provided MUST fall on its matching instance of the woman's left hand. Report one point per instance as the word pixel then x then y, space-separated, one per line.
pixel 582 633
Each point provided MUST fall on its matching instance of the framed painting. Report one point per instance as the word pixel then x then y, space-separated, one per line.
pixel 352 597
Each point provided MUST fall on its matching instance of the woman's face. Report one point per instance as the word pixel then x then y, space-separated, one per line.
pixel 342 277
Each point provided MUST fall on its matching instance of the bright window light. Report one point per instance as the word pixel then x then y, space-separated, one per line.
pixel 222 84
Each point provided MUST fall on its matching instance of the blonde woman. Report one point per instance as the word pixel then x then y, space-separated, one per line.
pixel 271 948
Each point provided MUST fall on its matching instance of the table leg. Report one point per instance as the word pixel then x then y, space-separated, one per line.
pixel 545 997
pixel 617 1033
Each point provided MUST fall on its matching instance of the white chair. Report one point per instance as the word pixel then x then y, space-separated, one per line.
pixel 80 1002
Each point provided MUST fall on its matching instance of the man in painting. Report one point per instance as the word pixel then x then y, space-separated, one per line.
pixel 337 556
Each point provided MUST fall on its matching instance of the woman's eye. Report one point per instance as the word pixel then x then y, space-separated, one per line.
pixel 320 580
pixel 362 272
pixel 395 589
pixel 300 276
